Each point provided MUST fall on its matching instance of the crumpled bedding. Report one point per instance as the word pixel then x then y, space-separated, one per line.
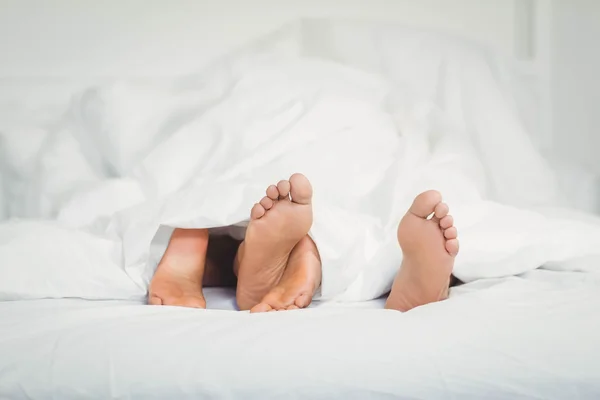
pixel 128 159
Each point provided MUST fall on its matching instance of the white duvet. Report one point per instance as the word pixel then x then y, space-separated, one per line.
pixel 373 116
pixel 128 160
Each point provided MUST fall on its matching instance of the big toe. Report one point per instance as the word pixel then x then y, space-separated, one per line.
pixel 301 189
pixel 425 203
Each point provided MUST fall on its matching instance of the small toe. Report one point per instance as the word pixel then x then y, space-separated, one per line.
pixel 272 192
pixel 293 307
pixel 267 203
pixel 257 211
pixel 303 300
pixel 261 307
pixel 446 222
pixel 452 246
pixel 154 300
pixel 451 233
pixel 441 210
pixel 284 189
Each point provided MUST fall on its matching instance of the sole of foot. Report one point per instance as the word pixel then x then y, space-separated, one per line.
pixel 300 280
pixel 179 275
pixel 277 224
pixel 429 244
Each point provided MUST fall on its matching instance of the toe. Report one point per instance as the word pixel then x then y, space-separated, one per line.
pixel 272 192
pixel 154 300
pixel 257 211
pixel 261 307
pixel 441 210
pixel 303 300
pixel 293 307
pixel 267 203
pixel 452 246
pixel 425 203
pixel 446 222
pixel 284 189
pixel 301 189
pixel 451 233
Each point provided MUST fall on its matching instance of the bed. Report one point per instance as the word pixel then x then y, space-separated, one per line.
pixel 522 337
pixel 96 195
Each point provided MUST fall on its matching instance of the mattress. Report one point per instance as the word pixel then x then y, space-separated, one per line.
pixel 533 336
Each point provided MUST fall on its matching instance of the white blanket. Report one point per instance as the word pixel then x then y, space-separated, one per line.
pixel 525 337
pixel 198 152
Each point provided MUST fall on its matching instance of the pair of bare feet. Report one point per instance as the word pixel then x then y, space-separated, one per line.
pixel 278 265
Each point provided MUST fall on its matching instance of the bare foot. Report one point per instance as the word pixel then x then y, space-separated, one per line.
pixel 429 247
pixel 178 278
pixel 302 276
pixel 277 224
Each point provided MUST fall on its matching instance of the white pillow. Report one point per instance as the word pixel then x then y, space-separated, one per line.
pixel 44 260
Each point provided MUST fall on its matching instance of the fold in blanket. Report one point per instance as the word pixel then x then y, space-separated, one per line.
pixel 201 160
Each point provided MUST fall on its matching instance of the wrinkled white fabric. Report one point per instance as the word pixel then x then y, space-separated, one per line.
pixel 533 336
pixel 127 159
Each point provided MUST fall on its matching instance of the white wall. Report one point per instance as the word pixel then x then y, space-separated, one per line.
pixel 576 80
pixel 575 95
pixel 91 38
pixel 157 37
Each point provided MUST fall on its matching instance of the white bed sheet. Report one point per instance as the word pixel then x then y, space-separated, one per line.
pixel 533 336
